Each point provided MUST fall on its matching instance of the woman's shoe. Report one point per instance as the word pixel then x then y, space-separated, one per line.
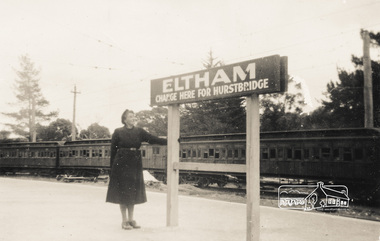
pixel 126 225
pixel 134 224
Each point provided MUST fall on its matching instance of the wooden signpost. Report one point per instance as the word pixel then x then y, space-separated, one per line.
pixel 249 78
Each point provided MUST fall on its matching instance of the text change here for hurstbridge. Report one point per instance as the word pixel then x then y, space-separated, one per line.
pixel 264 75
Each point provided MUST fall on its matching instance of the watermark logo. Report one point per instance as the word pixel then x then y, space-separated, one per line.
pixel 313 197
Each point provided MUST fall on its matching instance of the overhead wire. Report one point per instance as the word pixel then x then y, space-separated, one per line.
pixel 113 45
pixel 267 51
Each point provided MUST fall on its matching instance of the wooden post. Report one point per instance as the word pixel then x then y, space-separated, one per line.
pixel 253 168
pixel 367 91
pixel 173 159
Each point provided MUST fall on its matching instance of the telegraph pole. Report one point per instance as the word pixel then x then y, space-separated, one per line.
pixel 73 130
pixel 367 90
pixel 33 126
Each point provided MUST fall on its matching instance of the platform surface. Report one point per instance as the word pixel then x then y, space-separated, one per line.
pixel 45 211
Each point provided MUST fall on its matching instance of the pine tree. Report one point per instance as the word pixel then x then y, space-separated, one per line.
pixel 344 104
pixel 213 116
pixel 29 100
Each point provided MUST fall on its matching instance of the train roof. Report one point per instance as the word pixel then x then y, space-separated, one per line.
pixel 317 133
pixel 88 141
pixel 32 144
pixel 324 133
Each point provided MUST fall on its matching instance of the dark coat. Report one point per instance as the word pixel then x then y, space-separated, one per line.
pixel 126 184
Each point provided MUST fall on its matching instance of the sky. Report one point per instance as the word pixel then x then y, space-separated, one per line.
pixel 112 49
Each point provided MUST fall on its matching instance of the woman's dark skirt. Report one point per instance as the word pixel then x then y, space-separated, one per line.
pixel 126 184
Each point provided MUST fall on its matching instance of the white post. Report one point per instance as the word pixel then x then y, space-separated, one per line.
pixel 172 174
pixel 253 168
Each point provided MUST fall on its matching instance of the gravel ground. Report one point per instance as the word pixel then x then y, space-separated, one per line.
pixel 354 210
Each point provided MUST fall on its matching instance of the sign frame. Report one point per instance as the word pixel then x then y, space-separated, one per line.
pixel 262 75
pixel 280 82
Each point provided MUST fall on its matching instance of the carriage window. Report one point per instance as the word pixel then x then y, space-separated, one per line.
pixel 358 154
pixel 264 153
pixel 20 154
pixel 289 153
pixel 199 153
pixel 205 154
pixel 143 153
pixel 316 155
pixel 236 154
pixel 223 153
pixel 336 155
pixel 85 153
pixel 229 153
pixel 184 153
pixel 347 154
pixel 211 152
pixel 156 150
pixel 100 153
pixel 106 153
pixel 280 153
pixel 189 153
pixel 217 155
pixel 306 154
pixel 32 154
pixel 272 153
pixel 370 152
pixel 194 154
pixel 95 153
pixel 297 154
pixel 243 153
pixel 325 153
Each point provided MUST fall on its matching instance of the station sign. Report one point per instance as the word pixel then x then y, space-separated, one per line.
pixel 263 75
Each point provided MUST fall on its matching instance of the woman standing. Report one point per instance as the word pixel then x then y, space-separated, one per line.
pixel 126 186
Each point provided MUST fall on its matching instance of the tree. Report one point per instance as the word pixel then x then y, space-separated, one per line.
pixel 58 130
pixel 154 121
pixel 344 104
pixel 283 111
pixel 29 99
pixel 4 135
pixel 95 131
pixel 213 116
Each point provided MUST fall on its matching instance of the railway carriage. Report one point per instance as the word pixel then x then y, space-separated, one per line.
pixel 348 156
pixel 37 158
pixel 84 157
pixel 342 156
pixel 154 159
pixel 337 155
